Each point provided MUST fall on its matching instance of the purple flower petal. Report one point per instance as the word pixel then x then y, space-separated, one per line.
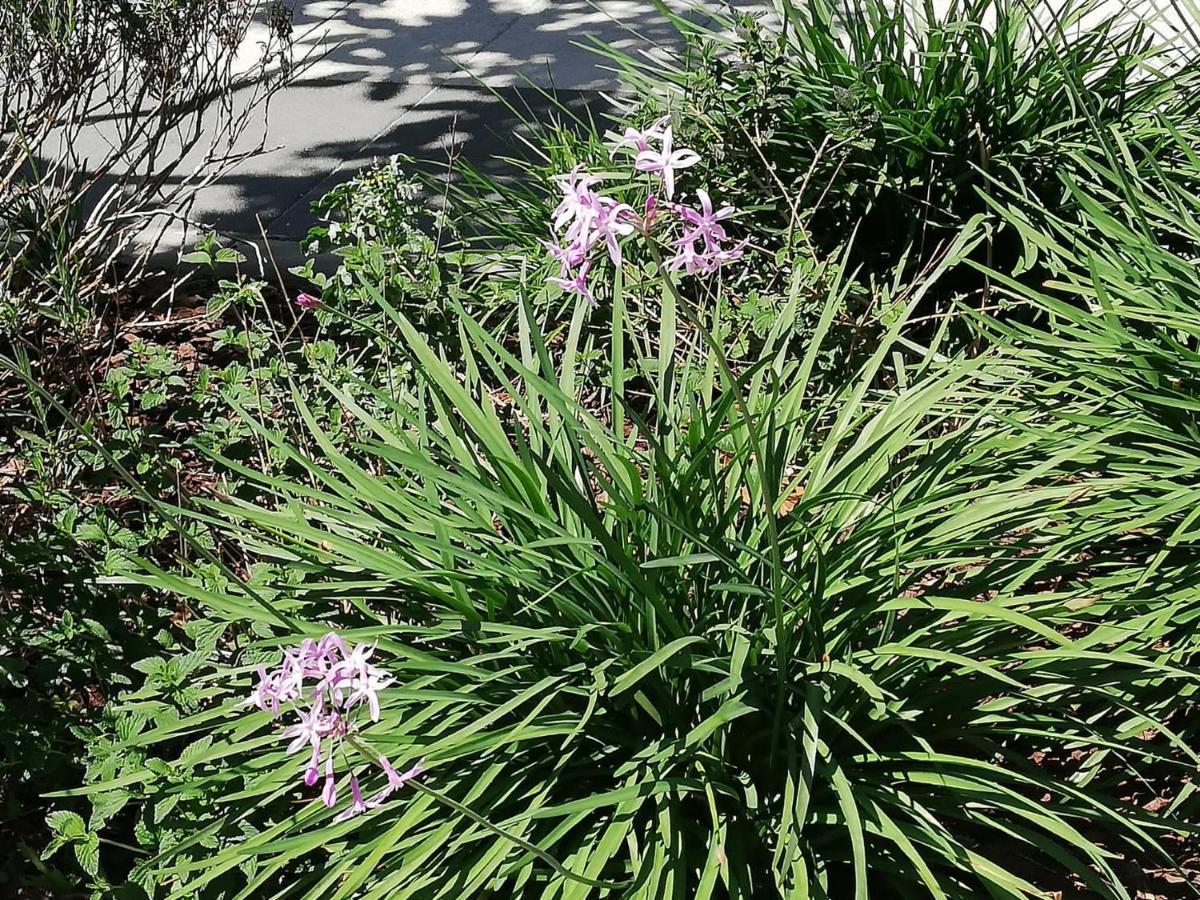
pixel 329 792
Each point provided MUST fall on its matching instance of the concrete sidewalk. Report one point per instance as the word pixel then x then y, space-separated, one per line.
pixel 379 77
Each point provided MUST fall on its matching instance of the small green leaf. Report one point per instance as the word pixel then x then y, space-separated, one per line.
pixel 105 806
pixel 690 559
pixel 87 851
pixel 69 825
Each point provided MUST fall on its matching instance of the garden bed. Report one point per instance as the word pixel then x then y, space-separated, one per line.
pixel 785 488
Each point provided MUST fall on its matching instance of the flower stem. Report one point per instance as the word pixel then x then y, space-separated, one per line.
pixel 525 845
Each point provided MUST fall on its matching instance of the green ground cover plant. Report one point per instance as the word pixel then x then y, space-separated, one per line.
pixel 894 116
pixel 79 474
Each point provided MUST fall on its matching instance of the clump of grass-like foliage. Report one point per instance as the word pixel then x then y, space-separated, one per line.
pixel 725 642
pixel 657 618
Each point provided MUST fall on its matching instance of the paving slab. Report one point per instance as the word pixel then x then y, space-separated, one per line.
pixel 377 77
pixel 479 124
pixel 309 131
pixel 500 42
pixel 396 41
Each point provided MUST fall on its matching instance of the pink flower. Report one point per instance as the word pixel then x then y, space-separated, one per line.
pixel 330 644
pixel 341 678
pixel 685 258
pixel 666 161
pixel 704 263
pixel 640 140
pixel 307 302
pixel 723 256
pixel 567 256
pixel 577 283
pixel 609 225
pixel 356 805
pixel 314 659
pixel 650 211
pixel 705 223
pixel 357 677
pixel 329 792
pixel 307 731
pixel 395 780
pixel 313 727
pixel 273 689
pixel 577 204
pixel 583 219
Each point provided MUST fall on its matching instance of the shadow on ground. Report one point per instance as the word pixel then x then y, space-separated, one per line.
pixel 497 41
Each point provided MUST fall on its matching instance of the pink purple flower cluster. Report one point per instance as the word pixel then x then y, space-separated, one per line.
pixel 585 219
pixel 334 680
